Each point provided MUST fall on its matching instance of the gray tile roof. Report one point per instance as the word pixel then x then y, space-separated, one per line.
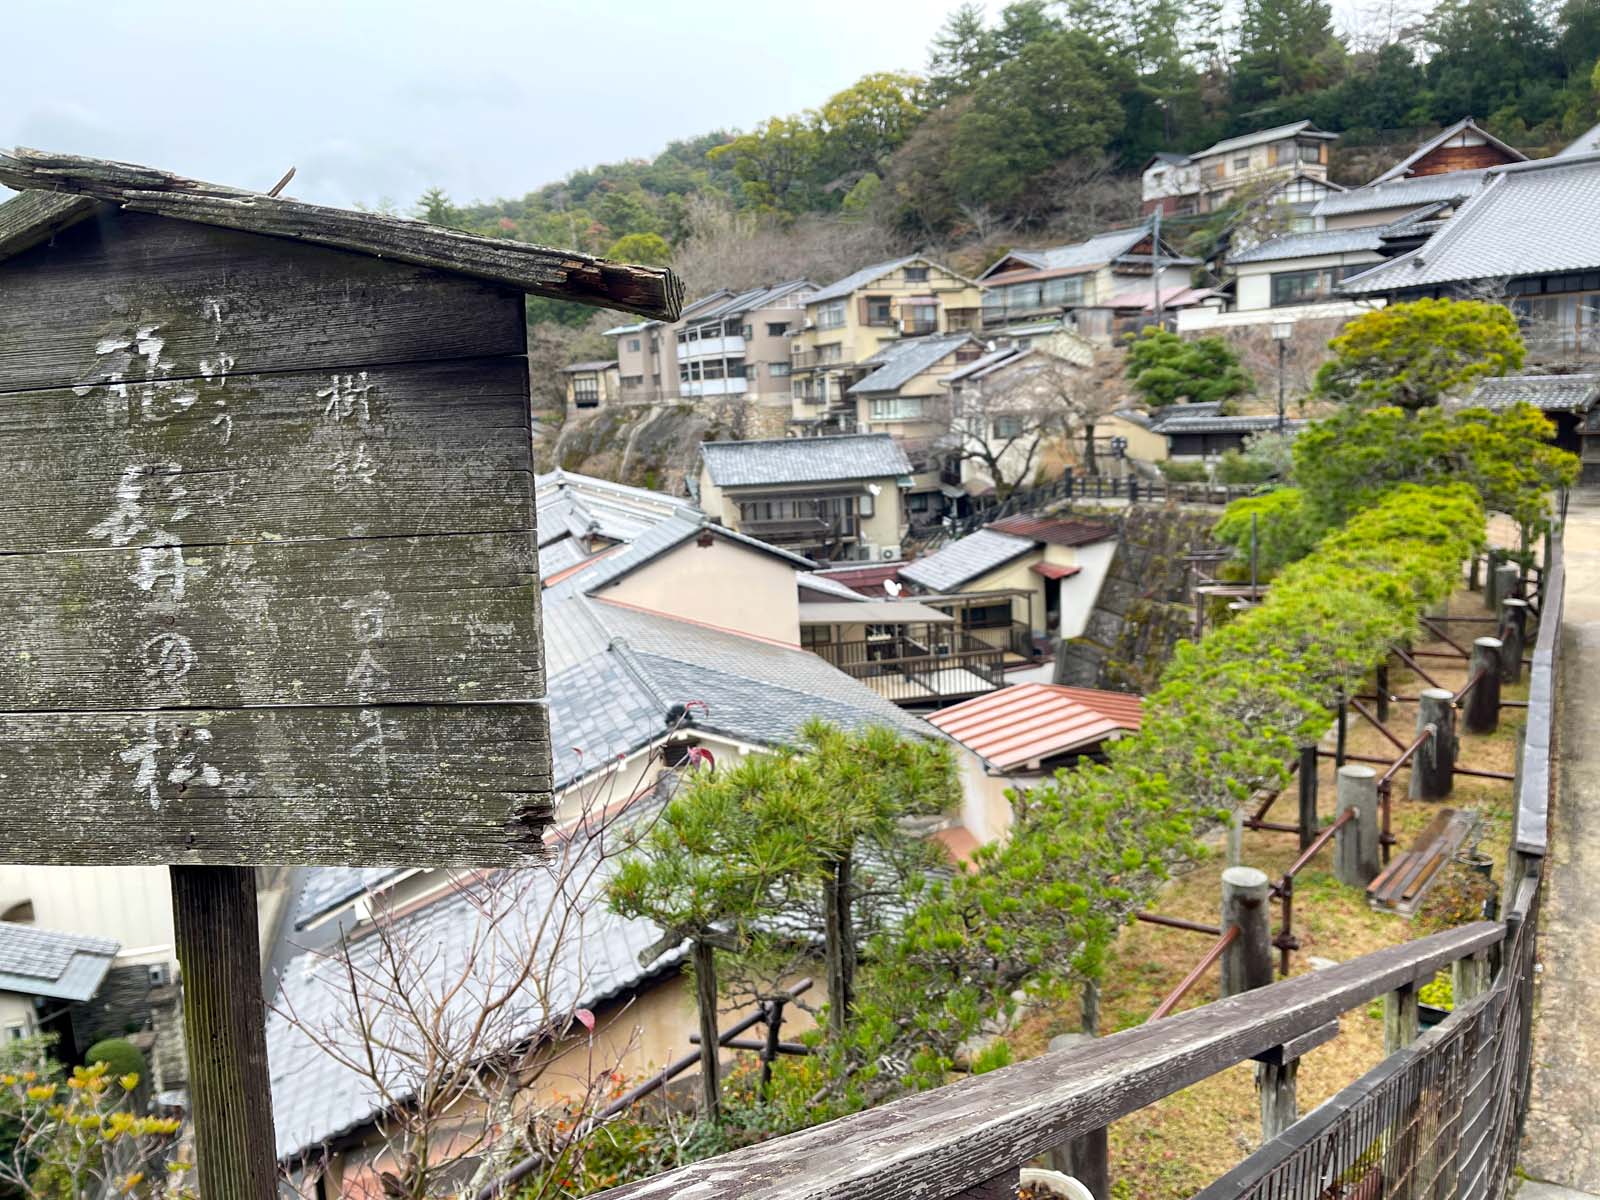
pixel 1258 136
pixel 597 364
pixel 900 362
pixel 1243 424
pixel 829 587
pixel 61 966
pixel 1400 193
pixel 804 460
pixel 982 366
pixel 1548 393
pixel 1307 245
pixel 1096 251
pixel 1586 142
pixel 755 298
pixel 860 279
pixel 965 558
pixel 329 887
pixel 594 958
pixel 1400 169
pixel 1531 218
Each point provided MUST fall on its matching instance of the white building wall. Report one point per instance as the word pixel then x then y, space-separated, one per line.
pixel 132 905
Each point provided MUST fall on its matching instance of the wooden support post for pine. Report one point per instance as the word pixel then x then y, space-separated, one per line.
pixel 1280 1106
pixel 1400 1019
pixel 1247 964
pixel 1434 764
pixel 1480 710
pixel 1380 685
pixel 1356 847
pixel 224 1023
pixel 1340 731
pixel 1507 582
pixel 1089 1012
pixel 705 996
pixel 1085 1157
pixel 1491 582
pixel 839 947
pixel 1473 582
pixel 1514 636
pixel 1308 795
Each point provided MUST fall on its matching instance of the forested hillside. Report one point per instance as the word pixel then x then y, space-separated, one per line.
pixel 1034 124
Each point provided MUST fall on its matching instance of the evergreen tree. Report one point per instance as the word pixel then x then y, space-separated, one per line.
pixel 962 53
pixel 1286 48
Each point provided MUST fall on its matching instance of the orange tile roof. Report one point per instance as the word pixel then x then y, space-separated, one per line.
pixel 1054 570
pixel 1031 721
pixel 1057 531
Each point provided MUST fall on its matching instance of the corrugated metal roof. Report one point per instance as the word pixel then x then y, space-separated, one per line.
pixel 1023 724
pixel 1531 218
pixel 1307 245
pixel 44 962
pixel 1548 393
pixel 900 362
pixel 1058 531
pixel 804 460
pixel 965 558
pixel 816 582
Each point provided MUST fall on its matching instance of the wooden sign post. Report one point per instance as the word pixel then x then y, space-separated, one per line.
pixel 271 594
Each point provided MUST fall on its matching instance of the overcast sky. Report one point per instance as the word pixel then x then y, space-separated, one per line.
pixel 375 99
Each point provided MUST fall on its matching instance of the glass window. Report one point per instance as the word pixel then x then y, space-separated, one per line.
pixel 919 501
pixel 585 391
pixel 896 408
pixel 987 616
pixel 746 331
pixel 878 310
pixel 633 344
pixel 916 274
pixel 777 370
pixel 815 635
pixel 1007 427
pixel 921 318
pixel 830 315
pixel 777 328
pixel 1311 153
pixel 1241 162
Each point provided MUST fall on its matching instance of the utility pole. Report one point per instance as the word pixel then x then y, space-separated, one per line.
pixel 1155 265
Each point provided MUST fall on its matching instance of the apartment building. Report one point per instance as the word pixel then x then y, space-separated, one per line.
pixel 591 384
pixel 1297 154
pixel 726 344
pixel 1089 280
pixel 852 319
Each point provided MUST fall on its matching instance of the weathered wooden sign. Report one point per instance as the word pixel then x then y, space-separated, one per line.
pixel 269 592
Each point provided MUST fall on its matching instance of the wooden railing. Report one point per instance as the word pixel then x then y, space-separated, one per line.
pixel 1439 1116
pixel 946 662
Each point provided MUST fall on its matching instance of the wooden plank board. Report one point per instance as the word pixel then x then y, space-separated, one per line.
pixel 365 621
pixel 35 217
pixel 383 785
pixel 383 452
pixel 268 304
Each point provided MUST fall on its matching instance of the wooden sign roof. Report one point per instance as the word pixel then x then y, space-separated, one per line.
pixel 67 189
pixel 270 591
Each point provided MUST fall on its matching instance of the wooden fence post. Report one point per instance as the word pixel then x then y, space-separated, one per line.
pixel 1433 766
pixel 1469 977
pixel 1514 636
pixel 1380 685
pixel 1481 711
pixel 1507 582
pixel 224 1024
pixel 1341 721
pixel 1491 581
pixel 1247 964
pixel 1308 795
pixel 1276 1076
pixel 1473 583
pixel 1356 849
pixel 1083 1157
pixel 1400 1019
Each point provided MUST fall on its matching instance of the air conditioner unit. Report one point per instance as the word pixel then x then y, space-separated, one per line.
pixel 865 552
pixel 889 553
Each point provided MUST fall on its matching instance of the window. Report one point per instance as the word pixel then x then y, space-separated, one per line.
pixel 1008 427
pixel 633 344
pixel 1211 172
pixel 812 636
pixel 16 1033
pixel 777 370
pixel 831 353
pixel 1059 293
pixel 777 328
pixel 830 315
pixel 1284 152
pixel 585 391
pixel 746 331
pixel 916 274
pixel 876 310
pixel 1241 162
pixel 1307 287
pixel 986 616
pixel 630 382
pixel 1311 153
pixel 895 408
pixel 921 318
pixel 919 501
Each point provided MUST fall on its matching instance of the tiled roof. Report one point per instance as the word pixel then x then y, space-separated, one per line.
pixel 1586 142
pixel 329 887
pixel 866 580
pixel 1096 251
pixel 1015 726
pixel 755 298
pixel 61 966
pixel 965 558
pixel 598 364
pixel 1548 393
pixel 1532 218
pixel 979 367
pixel 1400 193
pixel 819 583
pixel 804 460
pixel 1307 245
pixel 1402 169
pixel 860 279
pixel 1243 424
pixel 1276 133
pixel 1144 299
pixel 1057 531
pixel 900 362
pixel 592 956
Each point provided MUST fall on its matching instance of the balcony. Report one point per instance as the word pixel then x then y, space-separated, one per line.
pixel 923 664
pixel 714 387
pixel 730 346
pixel 918 328
pixel 808 360
pixel 813 531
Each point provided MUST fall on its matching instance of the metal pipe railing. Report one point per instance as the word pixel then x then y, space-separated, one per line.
pixel 1229 936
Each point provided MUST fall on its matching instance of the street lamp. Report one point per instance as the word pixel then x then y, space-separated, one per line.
pixel 1282 331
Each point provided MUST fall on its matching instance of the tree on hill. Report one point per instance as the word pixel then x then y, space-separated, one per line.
pixel 1165 368
pixel 649 249
pixel 1286 48
pixel 1415 354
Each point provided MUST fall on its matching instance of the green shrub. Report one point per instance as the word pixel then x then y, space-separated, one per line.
pixel 1185 472
pixel 120 1055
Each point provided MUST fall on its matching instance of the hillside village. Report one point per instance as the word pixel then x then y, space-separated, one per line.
pixel 826 735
